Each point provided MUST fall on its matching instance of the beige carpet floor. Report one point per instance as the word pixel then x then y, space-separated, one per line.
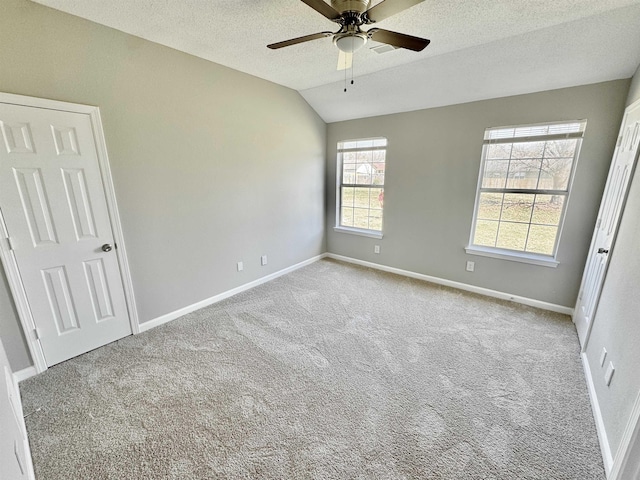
pixel 331 372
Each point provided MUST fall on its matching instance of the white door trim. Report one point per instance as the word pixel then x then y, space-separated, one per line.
pixel 8 260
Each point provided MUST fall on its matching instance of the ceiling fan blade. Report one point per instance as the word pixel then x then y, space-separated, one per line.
pixel 295 41
pixel 323 8
pixel 344 60
pixel 386 8
pixel 400 40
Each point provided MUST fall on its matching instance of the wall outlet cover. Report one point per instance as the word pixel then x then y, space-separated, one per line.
pixel 263 260
pixel 376 249
pixel 471 266
pixel 608 375
pixel 240 266
pixel 603 356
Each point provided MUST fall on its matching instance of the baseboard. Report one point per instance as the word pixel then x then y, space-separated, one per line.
pixel 224 295
pixel 626 458
pixel 461 286
pixel 597 415
pixel 25 373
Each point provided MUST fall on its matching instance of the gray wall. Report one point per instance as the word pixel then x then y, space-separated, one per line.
pixel 432 169
pixel 210 165
pixel 617 321
pixel 634 88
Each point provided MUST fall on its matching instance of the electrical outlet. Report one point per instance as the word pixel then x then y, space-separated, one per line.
pixel 471 266
pixel 608 375
pixel 263 260
pixel 603 356
pixel 240 266
pixel 376 249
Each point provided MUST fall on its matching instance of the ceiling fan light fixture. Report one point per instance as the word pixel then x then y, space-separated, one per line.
pixel 350 43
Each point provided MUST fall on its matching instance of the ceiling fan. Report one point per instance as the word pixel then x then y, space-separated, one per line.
pixel 353 14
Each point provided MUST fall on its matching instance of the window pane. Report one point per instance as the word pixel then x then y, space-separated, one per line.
pixel 512 235
pixel 375 220
pixel 346 218
pixel 499 151
pixel 489 206
pixel 349 157
pixel 364 156
pixel 376 198
pixel 485 234
pixel 517 213
pixel 347 196
pixel 527 150
pixel 364 173
pixel 364 167
pixel 517 207
pixel 495 173
pixel 523 173
pixel 379 156
pixel 361 218
pixel 349 173
pixel 361 197
pixel 560 148
pixel 555 173
pixel 547 209
pixel 542 238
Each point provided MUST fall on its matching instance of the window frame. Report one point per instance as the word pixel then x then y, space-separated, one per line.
pixel 339 185
pixel 521 255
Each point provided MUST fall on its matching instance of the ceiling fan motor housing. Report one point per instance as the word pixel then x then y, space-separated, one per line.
pixel 350 5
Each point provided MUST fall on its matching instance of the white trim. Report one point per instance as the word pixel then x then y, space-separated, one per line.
pixel 148 325
pixel 46 103
pixel 597 415
pixel 30 473
pixel 25 373
pixel 627 458
pixel 512 256
pixel 461 286
pixel 358 231
pixel 114 216
pixel 8 260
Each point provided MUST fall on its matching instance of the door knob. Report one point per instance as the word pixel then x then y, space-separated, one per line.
pixel 603 250
pixel 106 247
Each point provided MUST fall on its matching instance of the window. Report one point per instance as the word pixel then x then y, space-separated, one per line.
pixel 360 195
pixel 523 189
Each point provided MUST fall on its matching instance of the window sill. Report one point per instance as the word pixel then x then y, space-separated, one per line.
pixel 358 231
pixel 530 258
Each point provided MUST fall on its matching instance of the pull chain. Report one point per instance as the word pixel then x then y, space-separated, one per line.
pixel 352 55
pixel 345 74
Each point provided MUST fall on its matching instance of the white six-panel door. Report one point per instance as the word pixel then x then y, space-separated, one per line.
pixel 613 200
pixel 54 209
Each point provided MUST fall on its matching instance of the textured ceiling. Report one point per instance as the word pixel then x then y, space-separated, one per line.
pixel 480 49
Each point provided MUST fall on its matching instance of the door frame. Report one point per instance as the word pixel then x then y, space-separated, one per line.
pixel 6 254
pixel 592 245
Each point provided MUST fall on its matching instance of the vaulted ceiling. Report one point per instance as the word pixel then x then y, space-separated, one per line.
pixel 479 48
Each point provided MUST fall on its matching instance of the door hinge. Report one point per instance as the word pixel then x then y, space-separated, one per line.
pixel 12 245
pixel 37 333
pixel 598 223
pixel 619 142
